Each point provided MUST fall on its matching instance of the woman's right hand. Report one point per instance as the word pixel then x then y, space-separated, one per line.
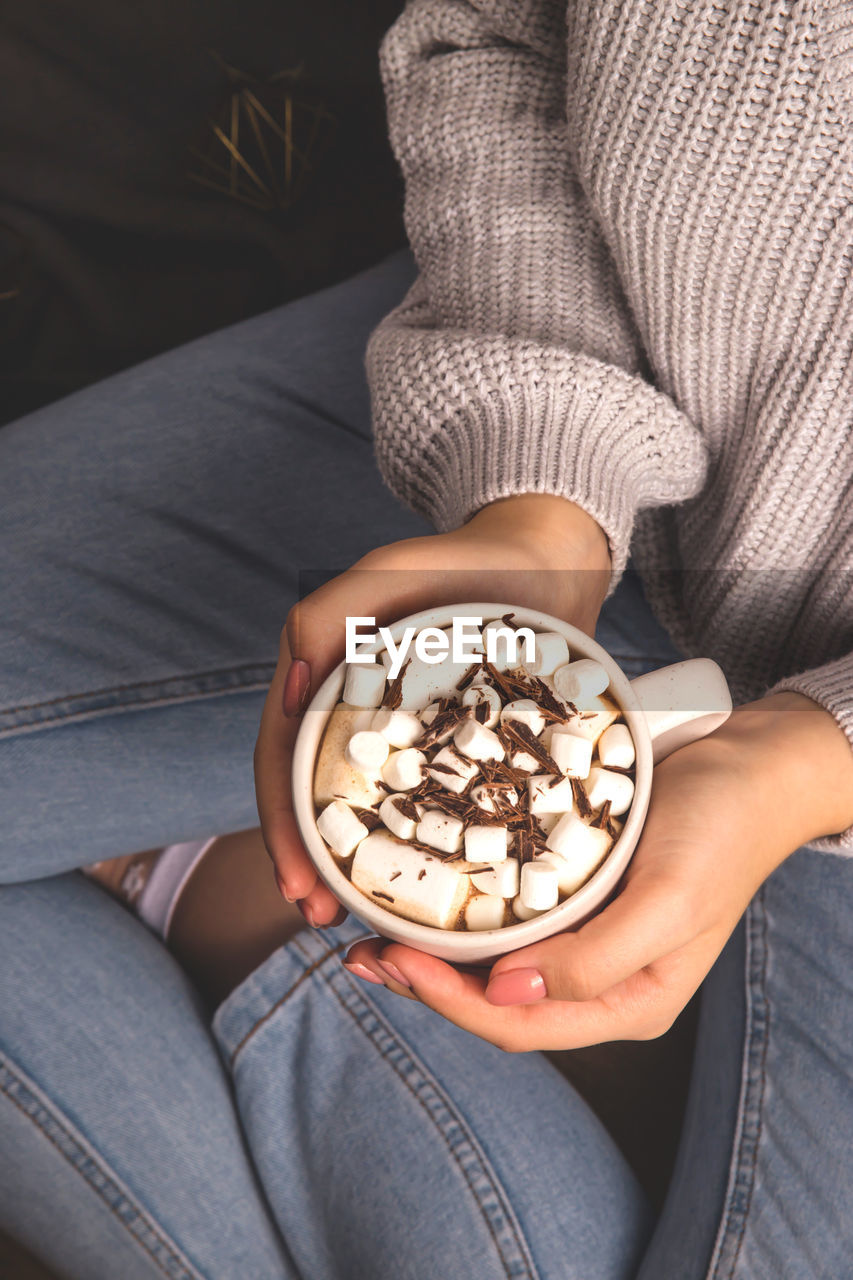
pixel 536 551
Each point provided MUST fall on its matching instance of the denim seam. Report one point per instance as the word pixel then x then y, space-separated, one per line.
pixel 730 1235
pixel 96 1175
pixel 306 973
pixel 501 1203
pixel 186 687
pixel 427 1083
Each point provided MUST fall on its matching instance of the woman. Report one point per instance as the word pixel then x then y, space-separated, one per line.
pixel 631 325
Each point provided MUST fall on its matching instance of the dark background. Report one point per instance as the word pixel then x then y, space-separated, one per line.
pixel 112 245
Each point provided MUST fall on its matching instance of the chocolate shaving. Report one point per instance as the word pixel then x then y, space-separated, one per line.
pixel 406 806
pixel 548 704
pixel 370 819
pixel 444 768
pixel 377 893
pixel 443 720
pixel 395 875
pixel 528 741
pixel 602 818
pixel 506 619
pixel 465 680
pixel 422 873
pixel 585 809
pixel 481 712
pixel 393 695
pixel 499 680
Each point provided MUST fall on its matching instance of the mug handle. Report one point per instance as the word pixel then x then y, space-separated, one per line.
pixel 682 703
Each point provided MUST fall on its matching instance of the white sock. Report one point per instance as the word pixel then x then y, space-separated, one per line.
pixel 170 873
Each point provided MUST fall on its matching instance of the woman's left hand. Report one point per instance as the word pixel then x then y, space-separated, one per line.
pixel 725 812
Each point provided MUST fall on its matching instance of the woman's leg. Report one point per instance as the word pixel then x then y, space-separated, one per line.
pixel 425 1151
pixel 153 530
pixel 121 1154
pixel 764 1177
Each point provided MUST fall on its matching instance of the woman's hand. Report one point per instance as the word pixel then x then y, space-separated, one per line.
pixel 725 811
pixel 534 550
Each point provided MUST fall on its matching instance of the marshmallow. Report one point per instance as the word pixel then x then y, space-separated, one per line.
pixel 483 797
pixel 580 681
pixel 395 821
pixel 400 728
pixel 524 761
pixel 477 742
pixel 547 821
pixel 461 770
pixel 500 880
pixel 616 747
pixel 540 890
pixel 440 831
pixel 548 798
pixel 509 647
pixel 571 753
pixel 423 888
pixel 576 849
pixel 478 693
pixel 604 784
pixel 334 777
pixel 425 682
pixel 367 750
pixel 551 651
pixel 486 844
pixel 364 684
pixel 484 911
pixel 521 912
pixel 428 715
pixel 340 828
pixel 404 770
pixel 526 712
pixel 598 714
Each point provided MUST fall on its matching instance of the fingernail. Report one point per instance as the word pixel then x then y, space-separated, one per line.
pixel 308 912
pixel 362 971
pixel 282 887
pixel 518 986
pixel 393 972
pixel 297 686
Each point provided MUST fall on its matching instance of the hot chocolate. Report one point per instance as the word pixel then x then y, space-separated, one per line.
pixel 473 794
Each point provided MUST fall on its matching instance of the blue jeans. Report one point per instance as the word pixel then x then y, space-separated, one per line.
pixel 153 532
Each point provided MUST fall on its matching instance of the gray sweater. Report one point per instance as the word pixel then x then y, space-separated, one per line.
pixel 634 233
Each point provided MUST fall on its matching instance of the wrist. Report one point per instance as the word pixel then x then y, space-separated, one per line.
pixel 800 760
pixel 557 532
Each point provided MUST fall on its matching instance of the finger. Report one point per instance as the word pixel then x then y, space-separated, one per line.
pixel 650 918
pixel 548 1024
pixel 273 752
pixel 362 960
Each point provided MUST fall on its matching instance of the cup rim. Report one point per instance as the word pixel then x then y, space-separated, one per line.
pixel 487 943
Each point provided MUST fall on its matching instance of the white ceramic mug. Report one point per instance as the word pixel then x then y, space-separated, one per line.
pixel 664 710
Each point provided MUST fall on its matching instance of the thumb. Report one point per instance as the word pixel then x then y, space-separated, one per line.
pixel 648 920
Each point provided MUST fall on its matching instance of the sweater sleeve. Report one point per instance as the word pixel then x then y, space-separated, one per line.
pixel 830 685
pixel 513 364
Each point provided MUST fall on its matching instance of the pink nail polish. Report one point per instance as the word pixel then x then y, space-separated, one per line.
pixel 393 972
pixel 362 971
pixel 297 686
pixel 518 986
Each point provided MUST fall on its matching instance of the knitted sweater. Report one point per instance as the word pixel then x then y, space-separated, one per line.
pixel 634 231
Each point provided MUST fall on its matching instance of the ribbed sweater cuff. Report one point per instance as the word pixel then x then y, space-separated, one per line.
pixel 460 422
pixel 832 686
